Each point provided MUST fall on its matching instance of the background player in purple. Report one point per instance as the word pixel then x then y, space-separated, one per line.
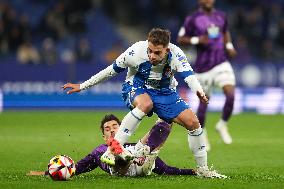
pixel 207 28
pixel 145 152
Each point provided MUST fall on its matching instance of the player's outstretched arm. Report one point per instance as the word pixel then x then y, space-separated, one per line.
pixel 97 78
pixel 119 65
pixel 72 88
pixel 87 164
pixel 36 173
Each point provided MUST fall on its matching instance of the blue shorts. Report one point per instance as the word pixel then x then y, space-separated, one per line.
pixel 166 104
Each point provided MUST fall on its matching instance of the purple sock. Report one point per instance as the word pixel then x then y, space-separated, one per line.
pixel 158 135
pixel 228 107
pixel 201 112
pixel 161 168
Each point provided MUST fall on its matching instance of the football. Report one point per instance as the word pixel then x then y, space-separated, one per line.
pixel 61 167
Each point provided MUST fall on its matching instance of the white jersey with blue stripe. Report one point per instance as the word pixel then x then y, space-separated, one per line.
pixel 142 73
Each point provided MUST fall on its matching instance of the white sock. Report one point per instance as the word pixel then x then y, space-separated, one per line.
pixel 128 125
pixel 196 143
pixel 221 121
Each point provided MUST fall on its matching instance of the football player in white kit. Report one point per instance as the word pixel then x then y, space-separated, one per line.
pixel 150 87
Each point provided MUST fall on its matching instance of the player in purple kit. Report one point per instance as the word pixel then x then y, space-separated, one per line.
pixel 145 151
pixel 207 28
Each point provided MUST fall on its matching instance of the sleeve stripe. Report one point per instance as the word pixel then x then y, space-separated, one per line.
pixel 186 74
pixel 117 69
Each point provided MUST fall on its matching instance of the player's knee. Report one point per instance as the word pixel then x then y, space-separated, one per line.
pixel 195 123
pixel 146 106
pixel 192 123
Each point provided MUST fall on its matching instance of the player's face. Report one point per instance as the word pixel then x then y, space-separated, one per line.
pixel 206 4
pixel 110 129
pixel 156 53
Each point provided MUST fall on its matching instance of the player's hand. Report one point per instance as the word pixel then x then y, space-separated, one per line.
pixel 202 97
pixel 74 88
pixel 232 53
pixel 35 173
pixel 203 39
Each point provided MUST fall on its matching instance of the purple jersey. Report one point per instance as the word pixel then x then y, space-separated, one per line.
pixel 158 135
pixel 215 26
pixel 92 161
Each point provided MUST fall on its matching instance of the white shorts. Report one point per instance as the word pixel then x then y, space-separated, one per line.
pixel 145 158
pixel 219 76
pixel 144 169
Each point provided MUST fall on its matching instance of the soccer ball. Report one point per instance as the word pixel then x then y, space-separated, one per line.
pixel 61 167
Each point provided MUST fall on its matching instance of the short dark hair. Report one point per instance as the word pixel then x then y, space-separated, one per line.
pixel 158 36
pixel 108 117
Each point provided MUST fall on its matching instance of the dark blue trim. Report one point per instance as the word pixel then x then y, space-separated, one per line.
pixel 185 74
pixel 142 74
pixel 167 73
pixel 198 134
pixel 135 116
pixel 117 69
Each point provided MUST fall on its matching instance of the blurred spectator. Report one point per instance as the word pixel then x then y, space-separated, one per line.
pixel 24 27
pixel 244 55
pixel 257 25
pixel 83 50
pixel 274 15
pixel 268 51
pixel 4 48
pixel 75 14
pixel 14 29
pixel 53 24
pixel 27 54
pixel 280 34
pixel 68 56
pixel 48 51
pixel 112 53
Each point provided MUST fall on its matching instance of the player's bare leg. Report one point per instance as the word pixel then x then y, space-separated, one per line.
pixel 221 126
pixel 143 105
pixel 196 143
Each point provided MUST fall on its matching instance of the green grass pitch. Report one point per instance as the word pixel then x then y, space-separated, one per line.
pixel 28 140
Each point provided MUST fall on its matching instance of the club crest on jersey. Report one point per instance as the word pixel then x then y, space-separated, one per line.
pixel 132 93
pixel 168 72
pixel 131 53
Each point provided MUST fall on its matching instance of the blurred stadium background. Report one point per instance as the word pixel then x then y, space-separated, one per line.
pixel 45 43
